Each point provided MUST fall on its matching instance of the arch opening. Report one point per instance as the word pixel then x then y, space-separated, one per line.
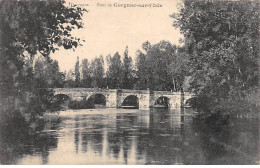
pixel 99 100
pixel 60 101
pixel 162 102
pixel 131 102
pixel 190 102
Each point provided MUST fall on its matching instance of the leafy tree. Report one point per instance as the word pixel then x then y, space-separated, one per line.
pixel 179 70
pixel 142 73
pixel 57 77
pixel 97 70
pixel 86 73
pixel 77 73
pixel 142 66
pixel 222 42
pixel 153 67
pixel 47 74
pixel 115 71
pixel 146 46
pixel 70 79
pixel 127 82
pixel 30 28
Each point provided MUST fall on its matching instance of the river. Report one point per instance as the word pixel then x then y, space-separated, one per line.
pixel 132 136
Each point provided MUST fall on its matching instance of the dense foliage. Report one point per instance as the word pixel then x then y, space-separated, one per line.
pixel 161 66
pixel 47 74
pixel 154 64
pixel 29 29
pixel 222 43
pixel 114 73
pixel 127 82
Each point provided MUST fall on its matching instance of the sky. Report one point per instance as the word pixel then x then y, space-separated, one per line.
pixel 108 30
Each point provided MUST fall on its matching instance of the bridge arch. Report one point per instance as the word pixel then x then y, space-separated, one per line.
pixel 97 99
pixel 61 100
pixel 131 101
pixel 189 101
pixel 162 101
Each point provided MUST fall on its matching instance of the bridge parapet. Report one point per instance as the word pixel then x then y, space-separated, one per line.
pixel 133 91
pixel 83 90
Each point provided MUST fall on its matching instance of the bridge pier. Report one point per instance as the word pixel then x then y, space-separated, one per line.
pixel 175 101
pixel 144 101
pixel 111 100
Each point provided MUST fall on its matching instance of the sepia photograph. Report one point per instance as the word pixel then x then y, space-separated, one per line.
pixel 129 82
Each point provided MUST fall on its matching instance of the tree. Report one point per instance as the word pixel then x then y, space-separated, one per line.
pixel 153 67
pixel 86 73
pixel 222 42
pixel 142 73
pixel 97 70
pixel 115 71
pixel 47 74
pixel 57 77
pixel 146 46
pixel 70 79
pixel 77 73
pixel 127 82
pixel 179 70
pixel 30 28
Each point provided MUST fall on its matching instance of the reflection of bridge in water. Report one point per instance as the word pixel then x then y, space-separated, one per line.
pixel 117 98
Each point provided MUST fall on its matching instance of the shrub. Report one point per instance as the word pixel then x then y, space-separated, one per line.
pixel 83 104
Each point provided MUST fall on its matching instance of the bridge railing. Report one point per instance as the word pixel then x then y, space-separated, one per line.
pixel 83 89
pixel 118 91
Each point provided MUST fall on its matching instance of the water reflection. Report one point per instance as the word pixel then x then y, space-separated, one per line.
pixel 158 136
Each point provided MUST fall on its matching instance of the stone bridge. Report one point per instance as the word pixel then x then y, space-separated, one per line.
pixel 116 97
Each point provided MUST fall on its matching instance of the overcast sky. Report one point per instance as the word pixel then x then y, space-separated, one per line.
pixel 110 29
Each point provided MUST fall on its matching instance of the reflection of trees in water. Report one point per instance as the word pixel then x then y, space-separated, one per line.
pixel 14 142
pixel 97 141
pixel 93 138
pixel 142 145
pixel 114 144
pixel 44 143
pixel 84 142
pixel 155 144
pixel 162 121
pixel 20 142
pixel 76 135
pixel 164 138
pixel 172 140
pixel 84 139
pixel 126 143
pixel 122 137
pixel 227 142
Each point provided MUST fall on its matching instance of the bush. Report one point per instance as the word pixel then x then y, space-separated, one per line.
pixel 238 103
pixel 83 104
pixel 243 103
pixel 39 103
